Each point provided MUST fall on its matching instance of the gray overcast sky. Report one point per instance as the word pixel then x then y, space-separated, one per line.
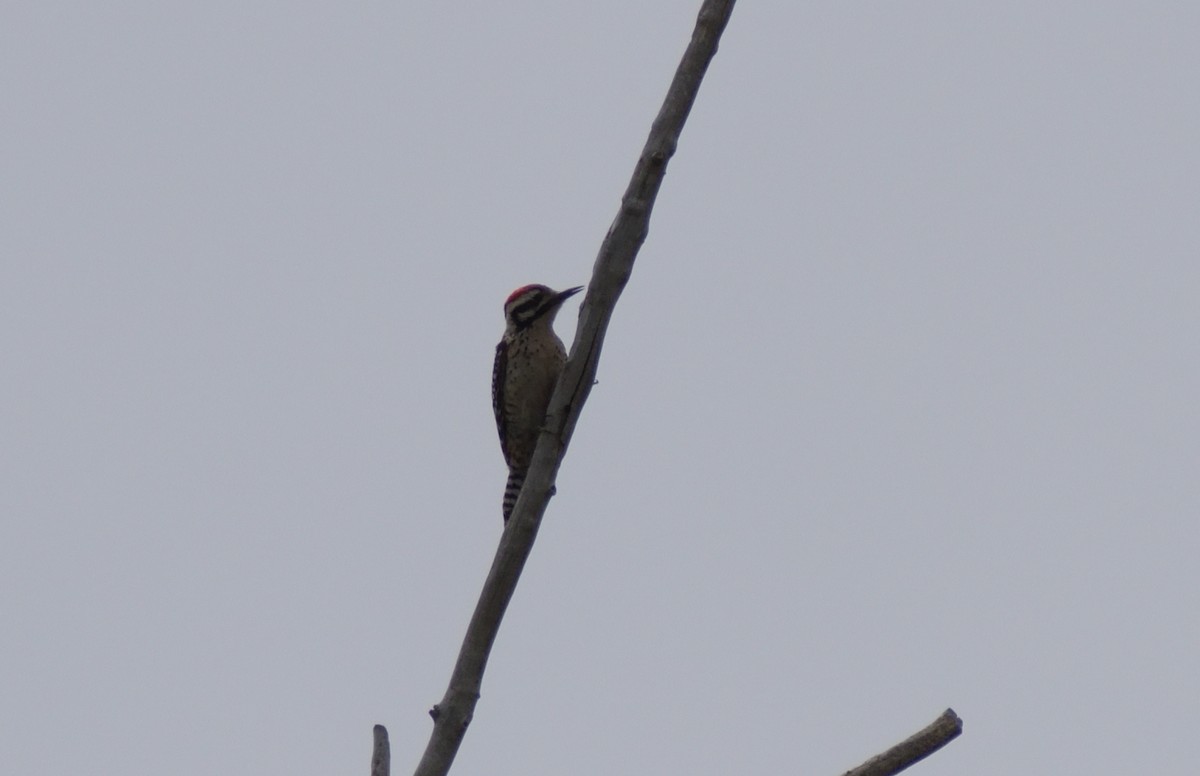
pixel 898 412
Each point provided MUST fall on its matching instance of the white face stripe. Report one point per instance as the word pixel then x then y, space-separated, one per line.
pixel 527 305
pixel 523 298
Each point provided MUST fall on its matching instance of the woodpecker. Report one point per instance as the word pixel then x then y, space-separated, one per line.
pixel 529 358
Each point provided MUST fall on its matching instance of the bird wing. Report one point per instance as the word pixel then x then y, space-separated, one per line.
pixel 498 369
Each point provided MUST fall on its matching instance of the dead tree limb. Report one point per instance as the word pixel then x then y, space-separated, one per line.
pixel 381 754
pixel 917 747
pixel 611 271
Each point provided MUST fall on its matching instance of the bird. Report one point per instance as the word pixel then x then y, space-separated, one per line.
pixel 529 359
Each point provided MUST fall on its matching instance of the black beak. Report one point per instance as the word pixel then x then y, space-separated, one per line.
pixel 563 296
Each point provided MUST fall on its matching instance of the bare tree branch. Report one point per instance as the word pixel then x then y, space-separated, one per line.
pixel 942 731
pixel 381 755
pixel 612 269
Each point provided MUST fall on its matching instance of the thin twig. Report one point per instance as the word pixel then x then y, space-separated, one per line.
pixel 612 269
pixel 942 731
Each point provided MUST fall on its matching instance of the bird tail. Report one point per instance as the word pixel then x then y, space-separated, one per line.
pixel 512 489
